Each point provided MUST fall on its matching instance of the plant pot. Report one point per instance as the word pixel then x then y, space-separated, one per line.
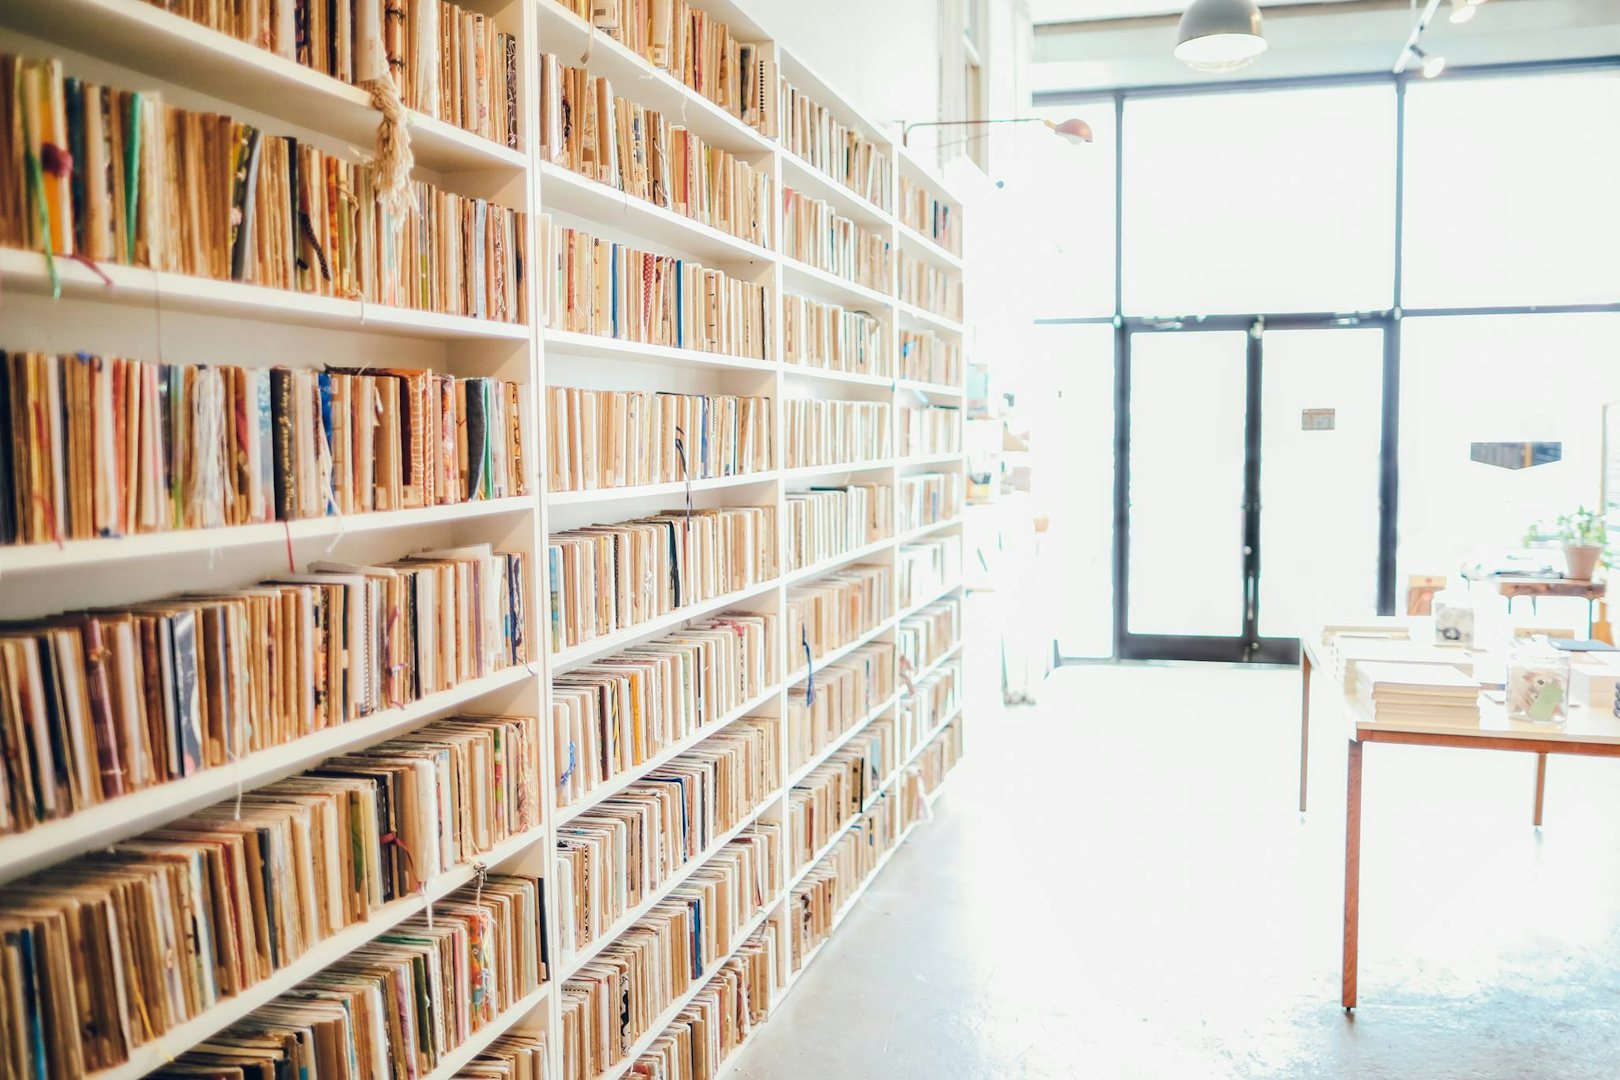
pixel 1581 560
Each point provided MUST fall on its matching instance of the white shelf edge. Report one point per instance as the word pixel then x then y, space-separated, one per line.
pixel 165 1048
pixel 154 291
pixel 835 562
pixel 842 740
pixel 26 558
pixel 128 815
pixel 937 389
pixel 634 775
pixel 853 378
pixel 922 532
pixel 852 293
pixel 846 199
pixel 949 457
pixel 808 472
pixel 835 655
pixel 931 250
pixel 838 834
pixel 575 655
pixel 596 346
pixel 643 491
pixel 929 319
pixel 907 612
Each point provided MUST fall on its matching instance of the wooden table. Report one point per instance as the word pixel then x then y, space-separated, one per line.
pixel 1590 733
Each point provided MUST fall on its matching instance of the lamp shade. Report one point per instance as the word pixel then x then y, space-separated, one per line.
pixel 1220 35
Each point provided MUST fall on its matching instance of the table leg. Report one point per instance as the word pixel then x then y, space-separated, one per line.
pixel 1541 786
pixel 1304 723
pixel 1352 871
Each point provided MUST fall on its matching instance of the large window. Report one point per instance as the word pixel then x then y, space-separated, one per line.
pixel 1260 202
pixel 1273 209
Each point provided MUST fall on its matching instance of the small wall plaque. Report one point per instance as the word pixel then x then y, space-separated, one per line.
pixel 1317 419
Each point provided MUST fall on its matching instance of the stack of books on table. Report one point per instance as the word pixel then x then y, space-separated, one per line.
pixel 1428 693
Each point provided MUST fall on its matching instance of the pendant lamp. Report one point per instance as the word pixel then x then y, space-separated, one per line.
pixel 1220 35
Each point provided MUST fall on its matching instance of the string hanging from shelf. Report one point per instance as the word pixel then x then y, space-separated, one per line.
pixel 394 158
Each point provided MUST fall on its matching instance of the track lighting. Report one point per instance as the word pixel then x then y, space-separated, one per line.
pixel 1432 65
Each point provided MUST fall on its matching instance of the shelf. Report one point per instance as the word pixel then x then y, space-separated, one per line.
pixel 928 388
pixel 678 1006
pixel 596 347
pixel 835 562
pixel 576 44
pixel 821 756
pixel 676 489
pixel 923 531
pixel 801 278
pixel 810 472
pixel 576 655
pixel 927 320
pixel 127 815
pixel 165 1048
pixel 568 191
pixel 851 378
pixel 914 242
pixel 585 954
pixel 26 558
pixel 800 175
pixel 826 849
pixel 139 35
pixel 953 457
pixel 156 292
pixel 451 1064
pixel 835 655
pixel 925 174
pixel 630 777
pixel 907 612
pixel 927 741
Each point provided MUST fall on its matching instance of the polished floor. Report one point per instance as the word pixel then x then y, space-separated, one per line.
pixel 1118 884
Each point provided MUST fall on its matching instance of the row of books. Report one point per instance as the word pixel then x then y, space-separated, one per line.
pixel 835 699
pixel 510 1057
pixel 929 634
pixel 820 432
pixel 696 49
pixel 823 523
pixel 930 702
pixel 202 194
pixel 586 128
pixel 619 438
pixel 928 214
pixel 826 889
pixel 825 801
pixel 606 578
pixel 927 498
pixel 621 852
pixel 611 718
pixel 939 757
pixel 831 337
pixel 720 1017
pixel 933 429
pixel 811 131
pixel 924 285
pixel 99 704
pixel 177 920
pixel 927 568
pixel 613 1001
pixel 833 611
pixel 927 357
pixel 594 286
pixel 446 62
pixel 815 233
pixel 102 446
pixel 398 1007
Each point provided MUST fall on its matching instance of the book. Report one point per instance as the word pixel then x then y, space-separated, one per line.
pixel 927 498
pixel 593 286
pixel 823 432
pixel 928 634
pixel 721 1016
pixel 621 438
pixel 1439 693
pixel 826 522
pixel 614 577
pixel 836 698
pixel 588 129
pixel 612 717
pixel 831 337
pixel 930 215
pixel 932 429
pixel 927 357
pixel 204 194
pixel 832 611
pixel 927 568
pixel 811 131
pixel 815 233
pixel 926 286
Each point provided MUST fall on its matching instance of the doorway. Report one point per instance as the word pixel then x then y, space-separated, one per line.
pixel 1255 487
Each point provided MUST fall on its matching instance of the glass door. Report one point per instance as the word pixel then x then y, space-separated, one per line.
pixel 1253 497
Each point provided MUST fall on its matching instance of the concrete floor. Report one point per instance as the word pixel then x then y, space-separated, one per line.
pixel 1118 884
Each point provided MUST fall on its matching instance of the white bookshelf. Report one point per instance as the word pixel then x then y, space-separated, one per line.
pixel 157 316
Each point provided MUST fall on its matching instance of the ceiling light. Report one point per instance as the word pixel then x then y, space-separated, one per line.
pixel 1432 65
pixel 1220 35
pixel 1463 10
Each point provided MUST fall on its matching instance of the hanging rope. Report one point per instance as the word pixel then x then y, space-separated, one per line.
pixel 394 159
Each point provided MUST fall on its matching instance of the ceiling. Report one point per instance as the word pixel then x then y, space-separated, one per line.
pixel 1048 11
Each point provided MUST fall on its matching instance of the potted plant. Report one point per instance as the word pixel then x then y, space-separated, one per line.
pixel 1583 536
